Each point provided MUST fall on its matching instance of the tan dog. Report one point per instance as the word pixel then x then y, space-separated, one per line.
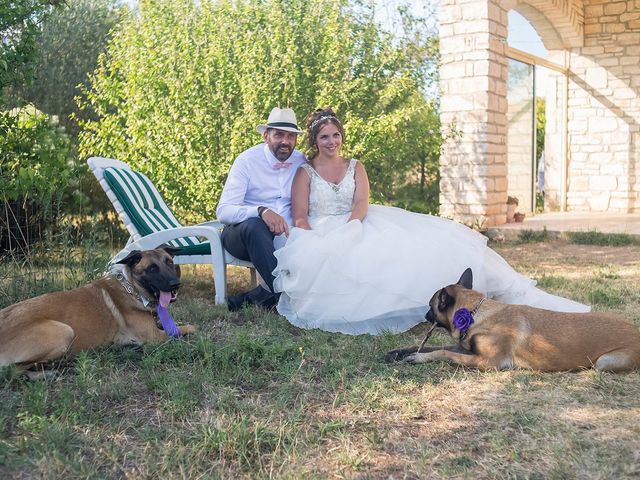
pixel 517 336
pixel 117 308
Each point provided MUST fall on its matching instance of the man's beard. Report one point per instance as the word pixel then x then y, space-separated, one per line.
pixel 283 152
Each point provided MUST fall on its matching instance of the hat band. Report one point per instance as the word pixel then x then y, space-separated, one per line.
pixel 282 124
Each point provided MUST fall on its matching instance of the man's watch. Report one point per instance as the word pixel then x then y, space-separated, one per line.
pixel 261 210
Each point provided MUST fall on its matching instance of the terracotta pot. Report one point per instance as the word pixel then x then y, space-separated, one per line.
pixel 511 210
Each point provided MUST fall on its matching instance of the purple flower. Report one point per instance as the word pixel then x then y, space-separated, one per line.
pixel 462 319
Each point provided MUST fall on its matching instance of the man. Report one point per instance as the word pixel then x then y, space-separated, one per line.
pixel 255 205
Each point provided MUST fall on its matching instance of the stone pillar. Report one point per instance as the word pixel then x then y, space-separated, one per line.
pixel 473 75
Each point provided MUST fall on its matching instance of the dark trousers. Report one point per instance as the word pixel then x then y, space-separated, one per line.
pixel 251 240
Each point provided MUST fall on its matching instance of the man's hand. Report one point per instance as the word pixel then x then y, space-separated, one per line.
pixel 277 225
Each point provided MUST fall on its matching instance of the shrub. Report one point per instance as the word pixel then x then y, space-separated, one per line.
pixel 35 168
pixel 533 236
pixel 594 237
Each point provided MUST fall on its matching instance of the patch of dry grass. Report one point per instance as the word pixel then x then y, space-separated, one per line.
pixel 250 396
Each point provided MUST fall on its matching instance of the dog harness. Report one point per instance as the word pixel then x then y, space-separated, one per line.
pixel 122 279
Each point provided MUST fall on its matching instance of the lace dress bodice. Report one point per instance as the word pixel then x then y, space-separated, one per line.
pixel 326 198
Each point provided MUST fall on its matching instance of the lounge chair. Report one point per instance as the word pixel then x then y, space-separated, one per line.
pixel 150 223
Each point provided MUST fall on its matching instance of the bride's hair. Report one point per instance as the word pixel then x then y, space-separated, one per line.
pixel 315 121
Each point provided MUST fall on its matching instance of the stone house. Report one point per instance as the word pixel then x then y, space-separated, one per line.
pixel 592 145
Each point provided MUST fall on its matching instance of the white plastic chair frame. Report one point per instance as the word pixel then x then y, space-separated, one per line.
pixel 219 257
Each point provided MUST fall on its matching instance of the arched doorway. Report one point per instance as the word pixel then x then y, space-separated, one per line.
pixel 596 167
pixel 474 81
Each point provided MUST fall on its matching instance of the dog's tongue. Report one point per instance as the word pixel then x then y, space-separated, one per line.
pixel 165 299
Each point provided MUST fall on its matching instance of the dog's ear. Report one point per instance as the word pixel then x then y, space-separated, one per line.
pixel 169 249
pixel 131 259
pixel 466 279
pixel 445 299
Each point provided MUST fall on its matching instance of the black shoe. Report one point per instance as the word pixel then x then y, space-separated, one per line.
pixel 235 302
pixel 258 296
pixel 263 298
pixel 269 303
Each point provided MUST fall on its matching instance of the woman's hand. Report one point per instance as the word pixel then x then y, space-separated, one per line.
pixel 302 223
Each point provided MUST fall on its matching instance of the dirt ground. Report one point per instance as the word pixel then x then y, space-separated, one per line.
pixel 567 257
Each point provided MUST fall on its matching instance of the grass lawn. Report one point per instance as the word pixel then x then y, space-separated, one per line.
pixel 251 396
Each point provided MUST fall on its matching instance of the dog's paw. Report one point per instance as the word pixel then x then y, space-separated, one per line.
pixel 415 358
pixel 399 354
pixel 187 329
pixel 393 356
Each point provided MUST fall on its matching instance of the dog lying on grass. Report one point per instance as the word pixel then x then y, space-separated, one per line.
pixel 493 335
pixel 118 308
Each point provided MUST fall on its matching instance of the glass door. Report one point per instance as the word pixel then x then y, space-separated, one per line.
pixel 521 135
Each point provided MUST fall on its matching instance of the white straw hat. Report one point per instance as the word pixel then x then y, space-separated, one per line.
pixel 281 119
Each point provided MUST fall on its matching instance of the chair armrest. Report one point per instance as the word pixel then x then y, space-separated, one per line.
pixel 156 239
pixel 211 223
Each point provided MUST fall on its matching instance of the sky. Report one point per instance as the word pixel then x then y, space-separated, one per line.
pixel 523 36
pixel 386 11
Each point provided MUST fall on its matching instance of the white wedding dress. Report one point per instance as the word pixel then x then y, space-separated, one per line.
pixel 379 274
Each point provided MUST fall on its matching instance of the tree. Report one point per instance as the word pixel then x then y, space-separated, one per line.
pixel 71 40
pixel 183 85
pixel 19 30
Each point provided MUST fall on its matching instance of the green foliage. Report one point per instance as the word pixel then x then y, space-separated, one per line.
pixel 35 167
pixel 46 53
pixel 533 236
pixel 541 123
pixel 72 38
pixel 183 85
pixel 19 30
pixel 34 155
pixel 594 237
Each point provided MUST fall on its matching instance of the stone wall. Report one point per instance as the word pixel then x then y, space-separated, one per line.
pixel 601 40
pixel 604 110
pixel 473 75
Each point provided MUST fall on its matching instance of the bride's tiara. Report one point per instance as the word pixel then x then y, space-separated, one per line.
pixel 322 118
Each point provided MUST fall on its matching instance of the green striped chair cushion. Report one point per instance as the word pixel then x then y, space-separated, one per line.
pixel 146 209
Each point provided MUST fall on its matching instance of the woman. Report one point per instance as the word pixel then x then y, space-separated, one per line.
pixel 357 268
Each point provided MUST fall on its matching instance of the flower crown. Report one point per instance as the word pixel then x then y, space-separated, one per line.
pixel 320 119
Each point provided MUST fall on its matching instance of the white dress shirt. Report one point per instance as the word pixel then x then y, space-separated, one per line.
pixel 254 180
